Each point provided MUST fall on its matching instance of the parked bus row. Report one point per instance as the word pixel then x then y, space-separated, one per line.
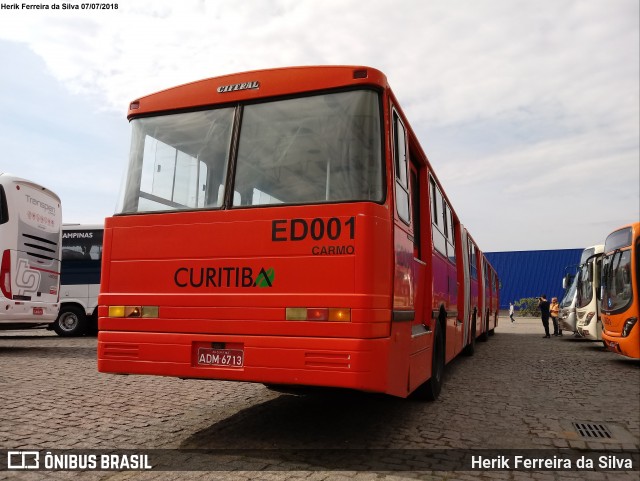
pixel 286 227
pixel 601 303
pixel 579 308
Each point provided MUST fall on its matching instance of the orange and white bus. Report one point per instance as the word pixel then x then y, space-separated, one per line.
pixel 620 293
pixel 285 227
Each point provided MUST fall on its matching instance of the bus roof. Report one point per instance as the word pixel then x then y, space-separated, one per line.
pixel 256 84
pixel 82 227
pixel 6 178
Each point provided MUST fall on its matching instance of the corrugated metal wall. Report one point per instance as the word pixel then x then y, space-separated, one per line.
pixel 532 273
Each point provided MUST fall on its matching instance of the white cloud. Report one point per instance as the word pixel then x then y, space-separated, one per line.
pixel 541 95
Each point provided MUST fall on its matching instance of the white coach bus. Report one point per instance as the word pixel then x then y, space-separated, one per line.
pixel 80 280
pixel 30 237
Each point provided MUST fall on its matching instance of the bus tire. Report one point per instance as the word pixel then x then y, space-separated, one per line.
pixel 92 323
pixel 484 337
pixel 71 321
pixel 430 389
pixel 470 350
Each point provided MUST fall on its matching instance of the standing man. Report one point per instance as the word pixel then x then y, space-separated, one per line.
pixel 543 304
pixel 511 312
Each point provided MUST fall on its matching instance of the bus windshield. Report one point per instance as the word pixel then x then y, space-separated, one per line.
pixel 585 286
pixel 570 294
pixel 315 149
pixel 616 279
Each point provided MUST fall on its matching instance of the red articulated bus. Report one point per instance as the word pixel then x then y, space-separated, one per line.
pixel 285 227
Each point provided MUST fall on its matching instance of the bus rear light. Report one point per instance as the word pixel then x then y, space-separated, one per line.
pixel 362 73
pixel 340 315
pixel 133 311
pixel 5 274
pixel 296 314
pixel 116 311
pixel 318 314
pixel 628 325
pixel 134 105
pixel 150 311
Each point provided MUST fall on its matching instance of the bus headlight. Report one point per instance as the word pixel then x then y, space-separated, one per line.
pixel 590 316
pixel 628 325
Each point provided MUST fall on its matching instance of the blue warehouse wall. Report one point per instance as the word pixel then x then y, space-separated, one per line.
pixel 532 273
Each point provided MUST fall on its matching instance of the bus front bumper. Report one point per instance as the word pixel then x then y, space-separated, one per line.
pixel 627 346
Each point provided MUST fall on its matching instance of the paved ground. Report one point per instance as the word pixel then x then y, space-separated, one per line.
pixel 519 395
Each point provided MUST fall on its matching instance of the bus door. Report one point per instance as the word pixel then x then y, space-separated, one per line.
pixel 465 315
pixel 410 272
pixel 419 260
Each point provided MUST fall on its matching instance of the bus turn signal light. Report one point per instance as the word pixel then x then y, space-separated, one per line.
pixel 133 311
pixel 318 314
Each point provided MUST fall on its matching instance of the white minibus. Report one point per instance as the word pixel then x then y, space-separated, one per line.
pixel 80 280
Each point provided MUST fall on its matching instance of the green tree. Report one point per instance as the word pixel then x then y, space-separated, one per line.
pixel 527 306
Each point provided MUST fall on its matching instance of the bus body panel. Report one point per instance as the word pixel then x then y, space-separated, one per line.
pixel 31 236
pixel 270 83
pixel 208 289
pixel 620 302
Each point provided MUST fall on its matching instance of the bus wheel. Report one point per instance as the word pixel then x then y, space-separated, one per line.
pixel 471 347
pixel 71 322
pixel 430 389
pixel 92 323
pixel 484 337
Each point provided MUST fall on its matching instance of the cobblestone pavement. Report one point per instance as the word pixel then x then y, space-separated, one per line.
pixel 519 392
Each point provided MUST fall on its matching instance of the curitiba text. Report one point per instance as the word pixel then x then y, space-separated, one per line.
pixel 208 277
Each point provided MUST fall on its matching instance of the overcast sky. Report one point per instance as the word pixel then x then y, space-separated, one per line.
pixel 528 111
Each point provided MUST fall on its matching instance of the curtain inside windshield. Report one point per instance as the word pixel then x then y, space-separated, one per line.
pixel 178 161
pixel 324 148
pixel 585 287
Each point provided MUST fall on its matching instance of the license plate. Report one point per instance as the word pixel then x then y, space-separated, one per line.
pixel 38 311
pixel 220 357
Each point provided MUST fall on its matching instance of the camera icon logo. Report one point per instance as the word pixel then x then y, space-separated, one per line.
pixel 23 460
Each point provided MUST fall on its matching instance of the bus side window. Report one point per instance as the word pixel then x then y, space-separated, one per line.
pixel 437 218
pixel 400 154
pixel 451 240
pixel 472 261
